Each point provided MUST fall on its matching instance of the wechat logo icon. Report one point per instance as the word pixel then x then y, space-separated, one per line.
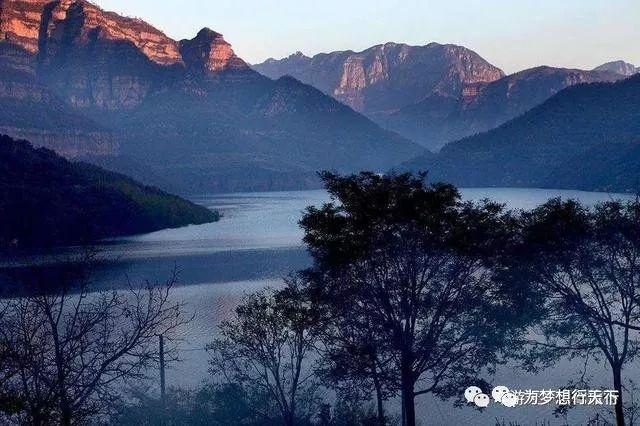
pixel 501 395
pixel 474 395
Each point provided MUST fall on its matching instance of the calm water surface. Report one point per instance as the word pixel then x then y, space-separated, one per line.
pixel 254 245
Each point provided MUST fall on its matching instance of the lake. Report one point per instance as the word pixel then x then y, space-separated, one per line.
pixel 254 245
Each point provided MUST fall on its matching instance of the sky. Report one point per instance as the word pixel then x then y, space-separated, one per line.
pixel 512 34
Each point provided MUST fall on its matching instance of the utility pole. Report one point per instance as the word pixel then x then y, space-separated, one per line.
pixel 163 394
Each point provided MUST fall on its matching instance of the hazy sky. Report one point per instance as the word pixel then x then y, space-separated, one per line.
pixel 512 34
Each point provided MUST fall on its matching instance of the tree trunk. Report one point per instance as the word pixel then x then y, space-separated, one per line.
pixel 408 395
pixel 409 406
pixel 65 407
pixel 289 419
pixel 66 417
pixel 617 385
pixel 37 419
pixel 380 400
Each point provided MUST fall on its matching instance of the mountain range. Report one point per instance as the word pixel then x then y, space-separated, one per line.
pixel 585 137
pixel 431 94
pixel 189 115
pixel 385 78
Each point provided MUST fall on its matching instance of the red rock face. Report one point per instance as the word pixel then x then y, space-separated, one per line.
pixel 393 65
pixel 98 59
pixel 77 48
pixel 209 52
pixel 23 22
pixel 20 22
pixel 30 24
pixel 61 56
pixel 388 77
pixel 89 20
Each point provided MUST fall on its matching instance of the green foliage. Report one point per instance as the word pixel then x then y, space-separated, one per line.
pixel 47 200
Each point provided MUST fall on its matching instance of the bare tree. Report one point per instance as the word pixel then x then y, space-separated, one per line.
pixel 586 266
pixel 70 350
pixel 267 348
pixel 9 403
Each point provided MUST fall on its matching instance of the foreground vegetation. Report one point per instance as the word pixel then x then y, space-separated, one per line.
pixel 411 292
pixel 66 349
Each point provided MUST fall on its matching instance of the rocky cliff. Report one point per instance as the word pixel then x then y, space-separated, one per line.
pixel 69 143
pixel 36 25
pixel 93 58
pixel 208 52
pixel 84 81
pixel 388 77
pixel 31 110
pixel 20 23
pixel 99 59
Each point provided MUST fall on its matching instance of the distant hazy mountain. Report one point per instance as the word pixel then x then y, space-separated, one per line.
pixel 191 114
pixel 438 119
pixel 47 200
pixel 619 67
pixel 430 94
pixel 586 137
pixel 385 78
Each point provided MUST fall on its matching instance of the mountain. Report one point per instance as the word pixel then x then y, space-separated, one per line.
pixel 47 200
pixel 190 114
pixel 438 119
pixel 431 94
pixel 30 110
pixel 253 134
pixel 619 67
pixel 385 78
pixel 585 137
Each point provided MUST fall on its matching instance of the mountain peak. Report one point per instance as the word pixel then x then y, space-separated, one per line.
pixel 210 52
pixel 298 55
pixel 208 34
pixel 391 44
pixel 619 67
